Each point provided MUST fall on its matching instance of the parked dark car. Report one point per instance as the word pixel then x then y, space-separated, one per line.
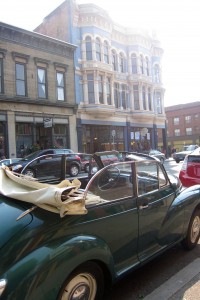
pixel 134 211
pixel 190 171
pixel 8 161
pixel 46 162
pixel 179 156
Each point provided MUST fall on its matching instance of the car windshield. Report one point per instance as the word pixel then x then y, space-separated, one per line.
pixel 32 155
pixel 190 148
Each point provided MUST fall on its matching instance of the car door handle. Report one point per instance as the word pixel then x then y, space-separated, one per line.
pixel 143 206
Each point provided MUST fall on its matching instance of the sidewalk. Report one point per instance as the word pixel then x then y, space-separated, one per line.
pixel 184 285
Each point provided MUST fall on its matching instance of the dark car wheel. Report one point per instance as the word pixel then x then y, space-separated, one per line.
pixel 85 283
pixel 177 161
pixel 29 172
pixel 74 170
pixel 86 168
pixel 193 233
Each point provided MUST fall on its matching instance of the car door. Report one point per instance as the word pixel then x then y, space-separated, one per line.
pixel 116 218
pixel 157 226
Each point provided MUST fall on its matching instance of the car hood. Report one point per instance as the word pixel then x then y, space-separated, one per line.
pixel 10 210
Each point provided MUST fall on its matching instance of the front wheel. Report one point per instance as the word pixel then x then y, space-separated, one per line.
pixel 74 170
pixel 85 283
pixel 193 233
pixel 29 172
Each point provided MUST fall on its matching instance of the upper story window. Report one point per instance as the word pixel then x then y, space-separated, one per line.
pixel 141 64
pixel 108 90
pixel 188 131
pixel 156 73
pixel 158 103
pixel 147 66
pixel 106 52
pixel 144 97
pixel 196 117
pixel 98 49
pixel 88 44
pixel 117 95
pixel 149 99
pixel 122 63
pixel 114 60
pixel 1 76
pixel 60 86
pixel 134 63
pixel 136 97
pixel 176 121
pixel 124 96
pixel 177 132
pixel 188 119
pixel 20 75
pixel 100 85
pixel 90 79
pixel 42 83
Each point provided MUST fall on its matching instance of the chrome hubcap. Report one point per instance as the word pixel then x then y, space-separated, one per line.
pixel 195 229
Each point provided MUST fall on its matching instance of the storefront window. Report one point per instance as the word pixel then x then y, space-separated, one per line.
pixel 24 139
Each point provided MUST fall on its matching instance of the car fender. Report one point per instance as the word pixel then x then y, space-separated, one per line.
pixel 41 273
pixel 189 199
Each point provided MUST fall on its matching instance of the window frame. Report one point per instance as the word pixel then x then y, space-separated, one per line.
pixel 62 87
pixel 42 83
pixel 20 79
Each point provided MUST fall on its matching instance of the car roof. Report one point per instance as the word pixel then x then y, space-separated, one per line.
pixel 195 152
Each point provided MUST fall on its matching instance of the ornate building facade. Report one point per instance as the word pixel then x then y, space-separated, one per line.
pixel 37 101
pixel 118 79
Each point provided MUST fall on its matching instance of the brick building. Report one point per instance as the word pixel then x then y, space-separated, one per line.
pixel 183 125
pixel 37 101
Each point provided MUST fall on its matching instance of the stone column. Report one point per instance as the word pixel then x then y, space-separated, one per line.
pixel 11 134
pixel 73 133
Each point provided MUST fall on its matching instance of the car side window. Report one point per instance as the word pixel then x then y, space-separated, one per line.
pixel 113 183
pixel 147 177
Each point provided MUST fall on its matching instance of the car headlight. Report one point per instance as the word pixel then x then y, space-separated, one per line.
pixel 3 283
pixel 16 167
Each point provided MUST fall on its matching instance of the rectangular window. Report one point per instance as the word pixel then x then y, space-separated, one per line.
pixel 108 91
pixel 176 121
pixel 149 99
pixel 124 97
pixel 158 102
pixel 144 98
pixel 20 79
pixel 188 131
pixel 188 119
pixel 90 79
pixel 116 95
pixel 42 85
pixel 1 76
pixel 100 85
pixel 136 97
pixel 60 86
pixel 177 132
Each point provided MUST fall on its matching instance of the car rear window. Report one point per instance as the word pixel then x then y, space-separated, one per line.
pixel 193 159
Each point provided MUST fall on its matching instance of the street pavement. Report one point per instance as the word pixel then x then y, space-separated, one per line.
pixel 184 285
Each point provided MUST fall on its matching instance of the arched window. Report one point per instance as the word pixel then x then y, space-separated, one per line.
pixel 106 52
pixel 156 74
pixel 122 63
pixel 134 63
pixel 141 64
pixel 147 66
pixel 114 60
pixel 98 49
pixel 88 45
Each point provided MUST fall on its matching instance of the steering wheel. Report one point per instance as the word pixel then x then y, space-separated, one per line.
pixel 108 178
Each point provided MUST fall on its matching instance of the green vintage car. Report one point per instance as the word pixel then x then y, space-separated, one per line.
pixel 132 211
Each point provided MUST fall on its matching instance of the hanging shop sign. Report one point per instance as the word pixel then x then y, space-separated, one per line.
pixel 48 122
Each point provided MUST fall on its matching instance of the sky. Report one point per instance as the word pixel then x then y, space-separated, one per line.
pixel 176 23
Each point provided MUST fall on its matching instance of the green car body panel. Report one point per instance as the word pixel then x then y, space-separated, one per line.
pixel 40 251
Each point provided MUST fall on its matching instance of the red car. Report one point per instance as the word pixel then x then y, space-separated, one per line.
pixel 190 171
